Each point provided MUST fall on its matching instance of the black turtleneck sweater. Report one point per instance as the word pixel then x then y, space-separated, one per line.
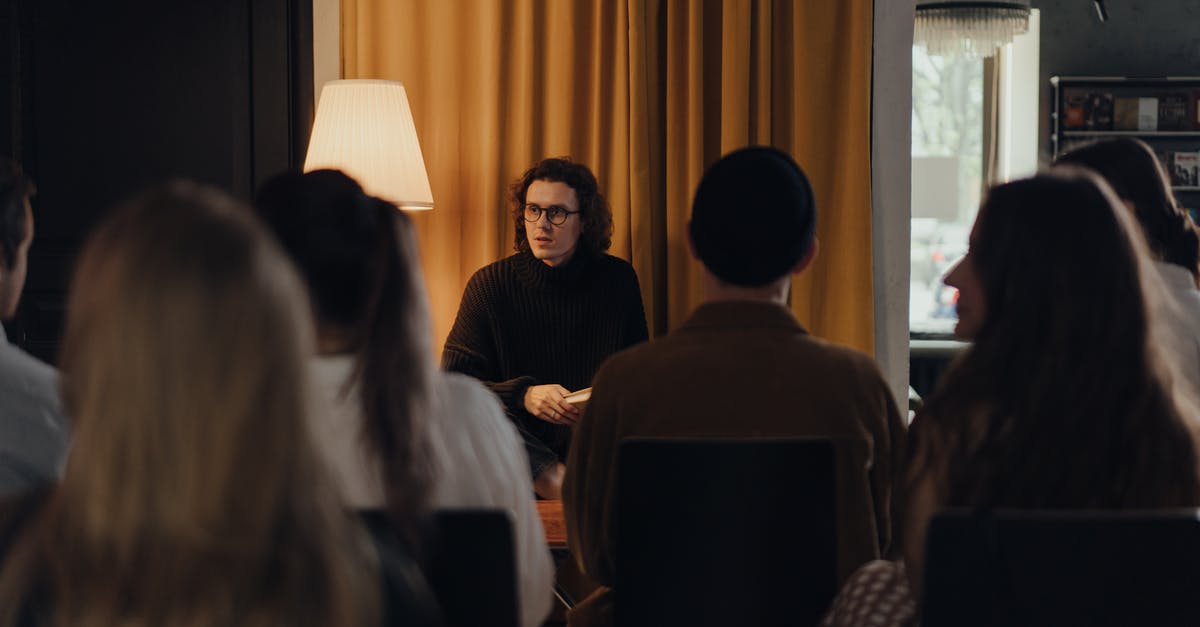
pixel 522 323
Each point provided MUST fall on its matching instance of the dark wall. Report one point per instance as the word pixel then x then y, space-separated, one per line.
pixel 104 98
pixel 1142 38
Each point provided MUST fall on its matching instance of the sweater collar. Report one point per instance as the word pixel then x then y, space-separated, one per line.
pixel 742 315
pixel 536 273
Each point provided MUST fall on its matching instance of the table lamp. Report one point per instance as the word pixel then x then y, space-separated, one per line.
pixel 365 129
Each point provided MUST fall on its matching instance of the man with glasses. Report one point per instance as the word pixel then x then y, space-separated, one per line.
pixel 534 326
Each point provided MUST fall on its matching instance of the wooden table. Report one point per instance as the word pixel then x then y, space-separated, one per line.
pixel 551 513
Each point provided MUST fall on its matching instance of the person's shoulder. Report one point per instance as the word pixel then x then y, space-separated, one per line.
pixel 852 364
pixel 615 265
pixel 635 360
pixel 614 261
pixel 504 264
pixel 461 390
pixel 466 405
pixel 476 449
pixel 500 268
pixel 617 272
pixel 841 353
pixel 493 280
pixel 22 374
pixel 14 361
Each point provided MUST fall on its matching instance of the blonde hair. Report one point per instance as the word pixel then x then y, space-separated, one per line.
pixel 192 495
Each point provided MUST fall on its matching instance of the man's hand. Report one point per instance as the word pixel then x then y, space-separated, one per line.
pixel 548 484
pixel 546 402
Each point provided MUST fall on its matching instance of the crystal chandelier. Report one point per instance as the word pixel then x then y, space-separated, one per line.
pixel 973 28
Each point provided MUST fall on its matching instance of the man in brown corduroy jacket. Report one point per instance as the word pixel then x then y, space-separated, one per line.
pixel 740 366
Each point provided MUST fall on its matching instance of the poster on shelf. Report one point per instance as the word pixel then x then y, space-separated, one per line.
pixel 1186 169
pixel 1125 114
pixel 1147 114
pixel 1073 106
pixel 1173 112
pixel 1098 115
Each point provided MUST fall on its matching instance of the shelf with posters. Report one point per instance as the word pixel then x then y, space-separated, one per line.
pixel 1164 112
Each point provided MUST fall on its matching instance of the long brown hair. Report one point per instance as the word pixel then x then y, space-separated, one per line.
pixel 1130 167
pixel 358 255
pixel 1063 400
pixel 192 495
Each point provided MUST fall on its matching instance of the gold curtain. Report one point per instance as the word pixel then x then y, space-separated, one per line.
pixel 647 93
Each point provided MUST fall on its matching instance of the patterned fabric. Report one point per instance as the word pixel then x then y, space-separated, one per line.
pixel 877 595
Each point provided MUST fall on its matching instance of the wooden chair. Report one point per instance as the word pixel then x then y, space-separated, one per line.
pixel 720 532
pixel 1063 568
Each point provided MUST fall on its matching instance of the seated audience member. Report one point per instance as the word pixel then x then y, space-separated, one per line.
pixel 1129 166
pixel 397 433
pixel 538 323
pixel 33 433
pixel 740 366
pixel 189 496
pixel 1060 402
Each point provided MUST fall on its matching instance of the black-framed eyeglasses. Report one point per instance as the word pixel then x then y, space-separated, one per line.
pixel 556 214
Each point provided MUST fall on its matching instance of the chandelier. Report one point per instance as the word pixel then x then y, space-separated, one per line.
pixel 973 28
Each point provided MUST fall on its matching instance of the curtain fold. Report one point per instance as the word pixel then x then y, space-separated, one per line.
pixel 648 93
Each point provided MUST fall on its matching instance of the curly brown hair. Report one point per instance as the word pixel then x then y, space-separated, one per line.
pixel 595 212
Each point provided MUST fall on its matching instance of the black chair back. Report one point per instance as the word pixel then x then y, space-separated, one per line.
pixel 1063 568
pixel 470 565
pixel 720 532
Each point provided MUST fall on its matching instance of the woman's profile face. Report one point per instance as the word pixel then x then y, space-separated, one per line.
pixel 971 306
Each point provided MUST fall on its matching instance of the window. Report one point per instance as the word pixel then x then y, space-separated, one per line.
pixel 957 147
pixel 947 170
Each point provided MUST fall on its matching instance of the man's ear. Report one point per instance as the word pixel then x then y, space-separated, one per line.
pixel 691 246
pixel 808 257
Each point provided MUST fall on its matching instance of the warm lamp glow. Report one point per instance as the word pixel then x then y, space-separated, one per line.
pixel 365 129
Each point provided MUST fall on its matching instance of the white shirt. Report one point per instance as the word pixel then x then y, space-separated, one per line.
pixel 1181 319
pixel 478 460
pixel 33 431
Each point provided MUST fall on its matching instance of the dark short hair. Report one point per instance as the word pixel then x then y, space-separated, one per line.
pixel 596 214
pixel 15 190
pixel 754 216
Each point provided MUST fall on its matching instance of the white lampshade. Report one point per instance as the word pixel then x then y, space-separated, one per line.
pixel 365 129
